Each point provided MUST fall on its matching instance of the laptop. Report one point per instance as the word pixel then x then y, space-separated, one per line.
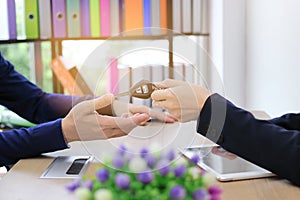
pixel 225 165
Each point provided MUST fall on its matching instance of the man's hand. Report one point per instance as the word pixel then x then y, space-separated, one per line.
pixel 223 153
pixel 84 123
pixel 182 99
pixel 124 109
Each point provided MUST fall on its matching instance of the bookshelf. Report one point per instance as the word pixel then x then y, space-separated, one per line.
pixel 56 42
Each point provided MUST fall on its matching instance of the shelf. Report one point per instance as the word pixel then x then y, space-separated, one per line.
pixel 133 37
pixel 141 37
pixel 192 34
pixel 23 40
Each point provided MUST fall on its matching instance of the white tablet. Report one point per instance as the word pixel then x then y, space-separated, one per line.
pixel 225 165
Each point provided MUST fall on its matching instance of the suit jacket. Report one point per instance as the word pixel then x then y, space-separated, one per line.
pixel 30 102
pixel 272 144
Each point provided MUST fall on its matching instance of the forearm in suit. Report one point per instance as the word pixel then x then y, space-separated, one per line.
pixel 260 141
pixel 28 142
pixel 289 121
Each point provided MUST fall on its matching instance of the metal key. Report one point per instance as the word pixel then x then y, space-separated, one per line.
pixel 142 90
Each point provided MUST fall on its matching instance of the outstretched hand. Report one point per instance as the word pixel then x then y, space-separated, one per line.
pixel 84 123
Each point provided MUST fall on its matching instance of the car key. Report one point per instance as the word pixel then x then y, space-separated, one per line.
pixel 143 90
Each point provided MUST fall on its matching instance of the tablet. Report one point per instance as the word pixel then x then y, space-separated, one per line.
pixel 225 165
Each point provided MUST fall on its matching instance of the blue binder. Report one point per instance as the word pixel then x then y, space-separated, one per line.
pixel 147 17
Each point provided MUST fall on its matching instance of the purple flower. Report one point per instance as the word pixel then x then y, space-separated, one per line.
pixel 203 171
pixel 214 190
pixel 102 175
pixel 171 155
pixel 122 150
pixel 195 159
pixel 164 169
pixel 122 181
pixel 179 170
pixel 88 184
pixel 215 198
pixel 199 194
pixel 150 160
pixel 145 177
pixel 118 162
pixel 177 193
pixel 73 186
pixel 144 151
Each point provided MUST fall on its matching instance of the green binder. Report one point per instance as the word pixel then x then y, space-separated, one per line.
pixel 31 19
pixel 95 18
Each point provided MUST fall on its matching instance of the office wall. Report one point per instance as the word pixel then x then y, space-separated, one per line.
pixel 273 56
pixel 227 47
pixel 255 46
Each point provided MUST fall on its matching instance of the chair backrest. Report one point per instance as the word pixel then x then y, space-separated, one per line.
pixel 70 78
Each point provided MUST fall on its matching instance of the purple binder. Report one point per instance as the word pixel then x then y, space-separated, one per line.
pixel 85 18
pixel 59 18
pixel 121 16
pixel 12 26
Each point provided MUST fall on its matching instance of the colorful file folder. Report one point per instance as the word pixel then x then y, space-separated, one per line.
pixel 105 17
pixel 8 26
pixel 134 17
pixel 147 17
pixel 59 18
pixel 31 19
pixel 73 18
pixel 163 16
pixel 176 16
pixel 187 16
pixel 45 19
pixel 12 23
pixel 95 18
pixel 85 23
pixel 3 20
pixel 114 18
pixel 155 17
pixel 121 17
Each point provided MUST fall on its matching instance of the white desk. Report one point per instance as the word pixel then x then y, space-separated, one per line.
pixel 23 182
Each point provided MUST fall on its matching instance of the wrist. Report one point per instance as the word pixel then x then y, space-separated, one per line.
pixel 69 130
pixel 202 95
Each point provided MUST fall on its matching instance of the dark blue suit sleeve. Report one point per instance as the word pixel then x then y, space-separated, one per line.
pixel 271 144
pixel 289 121
pixel 28 142
pixel 27 100
pixel 30 102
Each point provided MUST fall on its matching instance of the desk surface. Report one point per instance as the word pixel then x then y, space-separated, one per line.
pixel 23 180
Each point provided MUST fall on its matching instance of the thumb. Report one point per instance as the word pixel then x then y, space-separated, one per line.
pixel 160 85
pixel 168 83
pixel 103 101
